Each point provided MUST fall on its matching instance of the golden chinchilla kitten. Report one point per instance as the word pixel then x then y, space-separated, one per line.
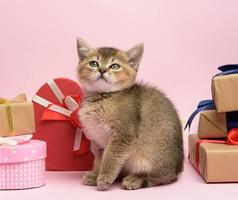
pixel 134 129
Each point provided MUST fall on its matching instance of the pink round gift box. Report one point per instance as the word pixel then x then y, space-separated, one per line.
pixel 22 166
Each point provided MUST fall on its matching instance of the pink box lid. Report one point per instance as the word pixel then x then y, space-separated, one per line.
pixel 32 150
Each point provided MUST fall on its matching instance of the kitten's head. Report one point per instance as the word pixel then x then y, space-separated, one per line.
pixel 106 69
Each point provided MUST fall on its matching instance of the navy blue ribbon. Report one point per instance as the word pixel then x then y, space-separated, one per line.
pixel 228 69
pixel 231 117
pixel 202 105
pixel 231 120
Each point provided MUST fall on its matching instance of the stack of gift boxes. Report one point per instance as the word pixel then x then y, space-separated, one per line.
pixel 22 159
pixel 214 150
pixel 47 124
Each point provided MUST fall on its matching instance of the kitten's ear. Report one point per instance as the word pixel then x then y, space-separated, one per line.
pixel 83 48
pixel 135 54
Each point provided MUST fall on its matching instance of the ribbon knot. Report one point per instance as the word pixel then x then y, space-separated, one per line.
pixel 232 137
pixel 66 111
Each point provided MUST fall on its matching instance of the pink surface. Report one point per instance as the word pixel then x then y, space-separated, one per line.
pixel 184 43
pixel 67 185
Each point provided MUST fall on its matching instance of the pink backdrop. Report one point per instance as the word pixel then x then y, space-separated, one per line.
pixel 184 41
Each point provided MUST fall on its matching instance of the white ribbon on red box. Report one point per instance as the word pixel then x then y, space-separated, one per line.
pixel 70 103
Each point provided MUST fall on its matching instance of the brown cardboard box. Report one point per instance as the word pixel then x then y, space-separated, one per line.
pixel 214 162
pixel 224 92
pixel 212 124
pixel 16 116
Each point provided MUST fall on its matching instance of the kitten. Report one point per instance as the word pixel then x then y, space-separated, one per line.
pixel 134 128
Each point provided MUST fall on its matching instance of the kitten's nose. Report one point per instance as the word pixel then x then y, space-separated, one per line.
pixel 102 70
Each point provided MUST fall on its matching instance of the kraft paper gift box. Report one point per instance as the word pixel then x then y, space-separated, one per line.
pixel 216 162
pixel 56 104
pixel 216 125
pixel 22 162
pixel 16 116
pixel 212 124
pixel 224 88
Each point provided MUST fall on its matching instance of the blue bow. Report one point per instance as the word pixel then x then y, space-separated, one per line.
pixel 202 105
pixel 228 69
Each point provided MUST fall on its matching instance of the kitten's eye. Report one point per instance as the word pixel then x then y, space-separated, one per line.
pixel 115 66
pixel 93 63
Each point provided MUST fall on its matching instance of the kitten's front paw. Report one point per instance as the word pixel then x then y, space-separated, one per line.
pixel 90 179
pixel 103 183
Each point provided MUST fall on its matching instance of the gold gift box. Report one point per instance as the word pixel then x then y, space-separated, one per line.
pixel 16 116
pixel 224 92
pixel 212 124
pixel 214 162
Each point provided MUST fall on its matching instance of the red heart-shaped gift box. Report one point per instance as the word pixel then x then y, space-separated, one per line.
pixel 60 135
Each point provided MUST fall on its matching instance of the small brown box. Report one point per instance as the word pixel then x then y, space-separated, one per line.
pixel 212 124
pixel 214 162
pixel 19 113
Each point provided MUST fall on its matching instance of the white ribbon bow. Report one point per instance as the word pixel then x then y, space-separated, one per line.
pixel 15 140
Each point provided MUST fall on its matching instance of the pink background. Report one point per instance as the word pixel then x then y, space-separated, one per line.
pixel 185 41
